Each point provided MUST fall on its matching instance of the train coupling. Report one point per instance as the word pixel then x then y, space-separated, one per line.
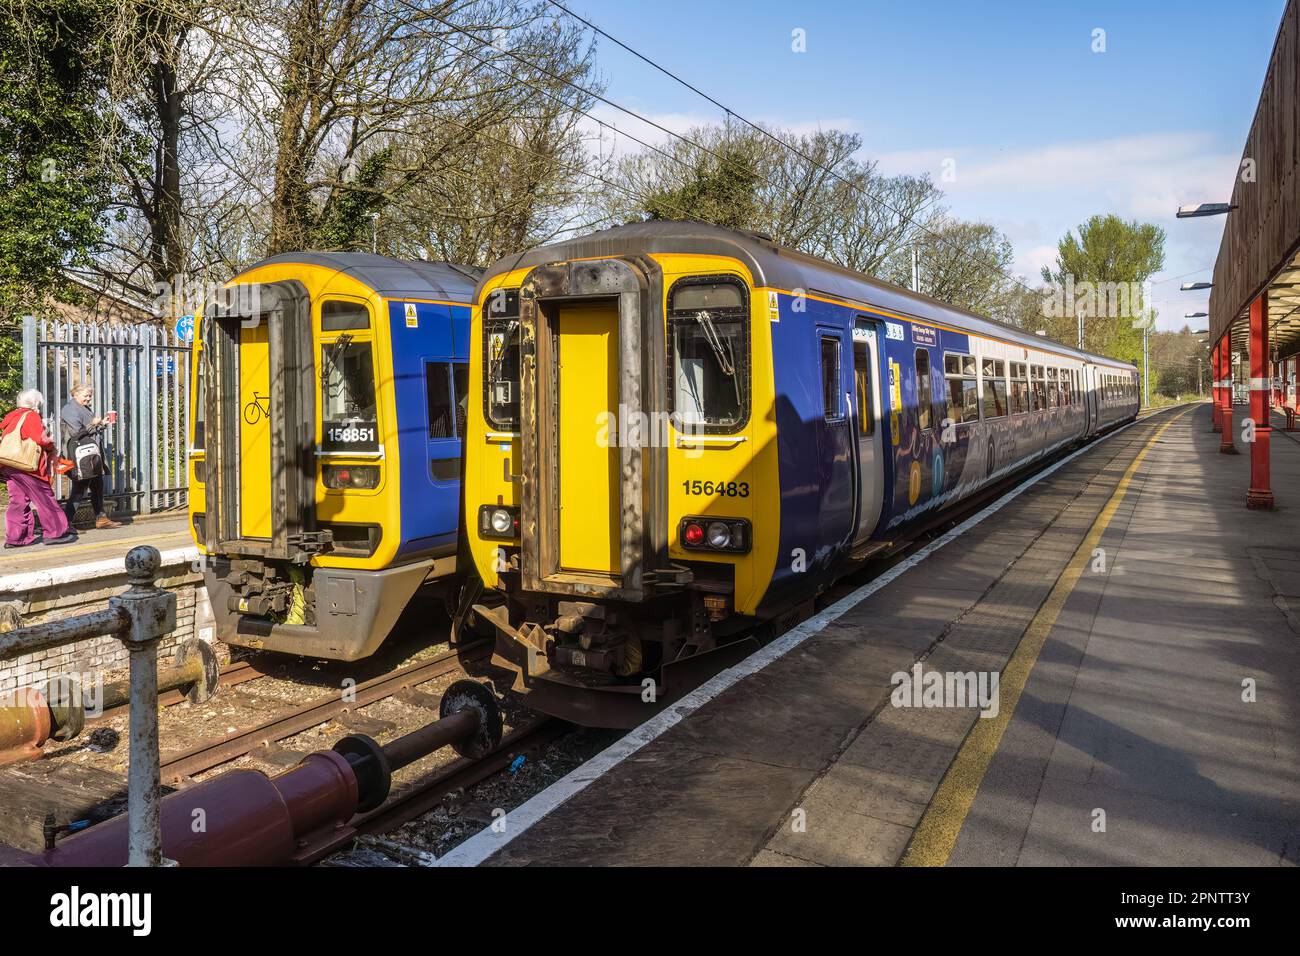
pixel 582 635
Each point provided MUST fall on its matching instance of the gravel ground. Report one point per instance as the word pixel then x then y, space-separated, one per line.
pixel 464 813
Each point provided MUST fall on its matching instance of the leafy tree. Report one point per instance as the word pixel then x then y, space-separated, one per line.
pixel 1102 270
pixel 53 182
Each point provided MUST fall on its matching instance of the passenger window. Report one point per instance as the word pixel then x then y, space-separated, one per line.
pixel 708 332
pixel 832 408
pixel 437 390
pixel 348 417
pixel 995 388
pixel 1019 388
pixel 923 392
pixel 1039 387
pixel 963 387
pixel 460 394
pixel 862 381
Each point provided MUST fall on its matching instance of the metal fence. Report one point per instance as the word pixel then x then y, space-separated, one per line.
pixel 140 371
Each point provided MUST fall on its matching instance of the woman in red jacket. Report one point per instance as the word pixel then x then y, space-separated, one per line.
pixel 30 491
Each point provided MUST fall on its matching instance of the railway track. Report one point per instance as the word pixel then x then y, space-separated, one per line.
pixel 179 768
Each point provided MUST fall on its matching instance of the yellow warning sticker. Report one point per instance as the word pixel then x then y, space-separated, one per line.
pixel 412 320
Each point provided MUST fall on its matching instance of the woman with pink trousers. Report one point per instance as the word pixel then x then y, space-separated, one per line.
pixel 30 493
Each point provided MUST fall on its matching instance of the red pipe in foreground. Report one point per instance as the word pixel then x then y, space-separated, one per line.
pixel 245 818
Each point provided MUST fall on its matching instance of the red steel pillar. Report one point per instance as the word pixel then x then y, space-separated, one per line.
pixel 1260 494
pixel 1225 394
pixel 1216 389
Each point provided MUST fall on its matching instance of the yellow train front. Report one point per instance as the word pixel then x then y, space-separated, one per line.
pixel 678 433
pixel 326 446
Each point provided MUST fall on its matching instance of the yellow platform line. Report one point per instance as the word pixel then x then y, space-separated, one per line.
pixel 936 834
pixel 57 551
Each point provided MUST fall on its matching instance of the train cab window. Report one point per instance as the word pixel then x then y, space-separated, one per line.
pixel 501 359
pixel 1018 401
pixel 200 402
pixel 963 387
pixel 336 316
pixel 708 328
pixel 832 405
pixel 348 415
pixel 446 385
pixel 866 392
pixel 995 388
pixel 924 393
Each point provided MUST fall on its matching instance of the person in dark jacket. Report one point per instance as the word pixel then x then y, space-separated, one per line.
pixel 79 423
pixel 30 494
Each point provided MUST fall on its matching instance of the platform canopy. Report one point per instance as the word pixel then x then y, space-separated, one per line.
pixel 1260 251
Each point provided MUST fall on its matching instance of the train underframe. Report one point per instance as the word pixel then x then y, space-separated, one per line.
pixel 613 663
pixel 335 613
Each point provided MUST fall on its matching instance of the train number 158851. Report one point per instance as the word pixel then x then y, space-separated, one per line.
pixel 728 489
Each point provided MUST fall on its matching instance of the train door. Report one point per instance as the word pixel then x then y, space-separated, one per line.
pixel 865 402
pixel 1090 399
pixel 587 363
pixel 591 506
pixel 259 421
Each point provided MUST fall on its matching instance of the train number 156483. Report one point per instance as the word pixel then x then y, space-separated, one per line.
pixel 727 489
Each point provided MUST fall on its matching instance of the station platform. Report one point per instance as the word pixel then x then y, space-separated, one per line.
pixel 25 568
pixel 1142 624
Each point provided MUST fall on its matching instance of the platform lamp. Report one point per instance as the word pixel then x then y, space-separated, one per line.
pixel 1199 210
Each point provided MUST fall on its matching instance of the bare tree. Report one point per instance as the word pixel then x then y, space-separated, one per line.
pixel 372 102
pixel 806 191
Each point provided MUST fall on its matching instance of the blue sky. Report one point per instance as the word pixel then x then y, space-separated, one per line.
pixel 1041 131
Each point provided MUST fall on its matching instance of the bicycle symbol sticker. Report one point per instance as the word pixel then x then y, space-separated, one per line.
pixel 260 406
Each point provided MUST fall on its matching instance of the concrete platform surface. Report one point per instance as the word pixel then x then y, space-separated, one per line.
pixel 1141 623
pixel 165 532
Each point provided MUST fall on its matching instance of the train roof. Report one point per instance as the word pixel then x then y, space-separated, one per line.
pixel 775 266
pixel 392 278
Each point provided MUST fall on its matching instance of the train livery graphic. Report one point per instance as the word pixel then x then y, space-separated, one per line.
pixel 678 433
pixel 326 446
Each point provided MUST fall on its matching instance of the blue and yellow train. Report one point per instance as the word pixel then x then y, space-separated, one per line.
pixel 326 438
pixel 677 432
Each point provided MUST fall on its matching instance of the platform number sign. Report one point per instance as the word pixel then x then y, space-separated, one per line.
pixel 412 319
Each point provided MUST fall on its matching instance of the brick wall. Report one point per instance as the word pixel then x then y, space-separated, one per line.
pixel 102 657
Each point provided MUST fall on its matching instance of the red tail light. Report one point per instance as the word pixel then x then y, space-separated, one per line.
pixel 731 535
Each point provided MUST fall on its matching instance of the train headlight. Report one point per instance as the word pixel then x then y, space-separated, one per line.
pixel 344 477
pixel 715 534
pixel 498 521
